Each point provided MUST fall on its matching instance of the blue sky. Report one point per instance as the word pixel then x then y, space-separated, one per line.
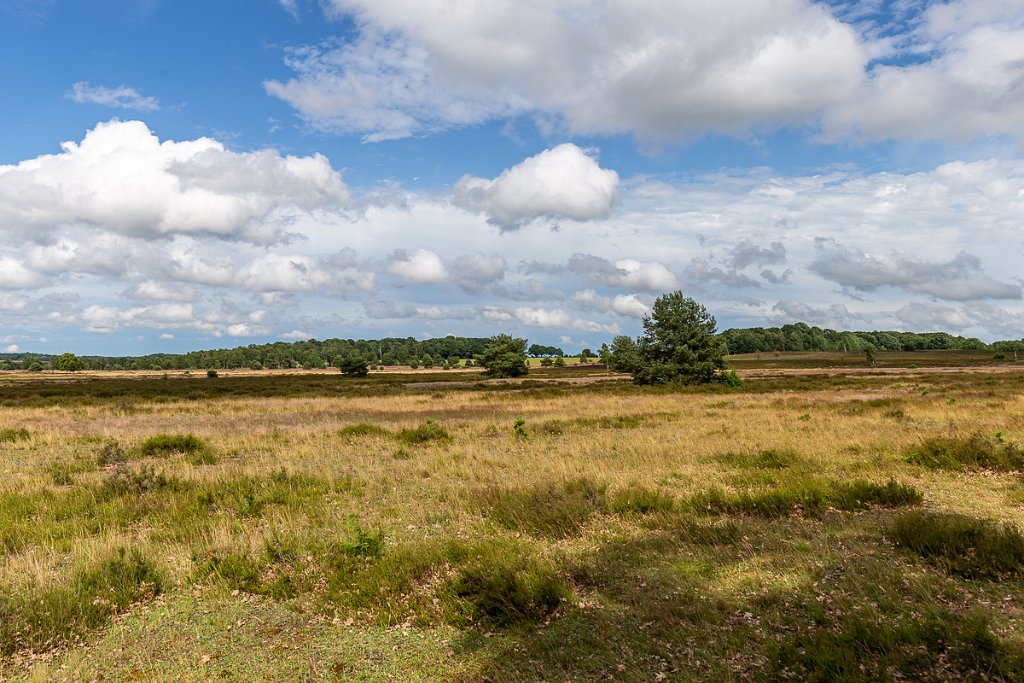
pixel 181 175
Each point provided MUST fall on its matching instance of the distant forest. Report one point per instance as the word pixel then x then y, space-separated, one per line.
pixel 431 352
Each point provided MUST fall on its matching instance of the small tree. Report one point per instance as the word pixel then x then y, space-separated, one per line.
pixel 504 356
pixel 354 365
pixel 870 354
pixel 622 355
pixel 679 345
pixel 67 362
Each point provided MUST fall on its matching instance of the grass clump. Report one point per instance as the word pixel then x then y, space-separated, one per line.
pixel 111 453
pixel 504 591
pixel 808 497
pixel 428 432
pixel 124 481
pixel 547 510
pixel 10 435
pixel 865 646
pixel 640 500
pixel 977 452
pixel 769 459
pixel 163 445
pixel 362 429
pixel 962 545
pixel 43 619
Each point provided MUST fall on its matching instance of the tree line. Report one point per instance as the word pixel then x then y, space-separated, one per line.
pixel 803 337
pixel 438 352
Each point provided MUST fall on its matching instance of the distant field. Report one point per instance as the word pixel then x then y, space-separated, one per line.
pixel 830 521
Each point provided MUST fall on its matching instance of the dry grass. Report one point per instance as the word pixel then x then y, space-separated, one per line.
pixel 295 484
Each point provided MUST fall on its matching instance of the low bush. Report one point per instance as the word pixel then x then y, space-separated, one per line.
pixel 163 445
pixel 111 454
pixel 977 452
pixel 428 432
pixel 362 429
pixel 962 545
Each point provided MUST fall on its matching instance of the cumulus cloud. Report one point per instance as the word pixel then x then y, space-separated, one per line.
pixel 474 272
pixel 650 276
pixel 296 335
pixel 14 275
pixel 559 183
pixel 925 317
pixel 300 273
pixel 959 279
pixel 701 272
pixel 955 74
pixel 123 179
pixel 629 305
pixel 159 291
pixel 836 316
pixel 422 267
pixel 559 319
pixel 662 69
pixel 747 253
pixel 121 97
pixel 97 318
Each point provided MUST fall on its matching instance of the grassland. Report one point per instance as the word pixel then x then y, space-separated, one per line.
pixel 839 524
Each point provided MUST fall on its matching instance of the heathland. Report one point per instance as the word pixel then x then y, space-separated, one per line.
pixel 829 520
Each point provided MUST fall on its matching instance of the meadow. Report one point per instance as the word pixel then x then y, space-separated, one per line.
pixel 828 521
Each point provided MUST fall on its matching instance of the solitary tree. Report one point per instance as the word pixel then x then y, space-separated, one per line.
pixel 504 356
pixel 679 345
pixel 67 362
pixel 353 365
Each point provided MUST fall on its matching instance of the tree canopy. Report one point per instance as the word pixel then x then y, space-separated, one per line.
pixel 678 346
pixel 505 356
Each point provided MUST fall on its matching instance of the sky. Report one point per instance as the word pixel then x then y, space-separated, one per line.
pixel 186 174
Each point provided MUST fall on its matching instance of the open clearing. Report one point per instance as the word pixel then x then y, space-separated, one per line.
pixel 828 521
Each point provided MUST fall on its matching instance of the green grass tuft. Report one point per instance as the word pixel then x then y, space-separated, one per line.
pixel 163 445
pixel 362 429
pixel 962 545
pixel 959 454
pixel 641 500
pixel 50 616
pixel 428 432
pixel 10 435
pixel 548 510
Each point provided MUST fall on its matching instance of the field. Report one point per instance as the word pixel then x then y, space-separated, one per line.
pixel 828 521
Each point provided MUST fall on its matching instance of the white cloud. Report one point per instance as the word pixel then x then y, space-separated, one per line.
pixel 422 267
pixel 121 97
pixel 956 74
pixel 166 336
pixel 650 276
pixel 158 291
pixel 11 348
pixel 296 335
pixel 663 69
pixel 562 182
pixel 629 305
pixel 474 272
pixel 121 178
pixel 14 275
pixel 560 320
pixel 291 7
pixel 959 279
